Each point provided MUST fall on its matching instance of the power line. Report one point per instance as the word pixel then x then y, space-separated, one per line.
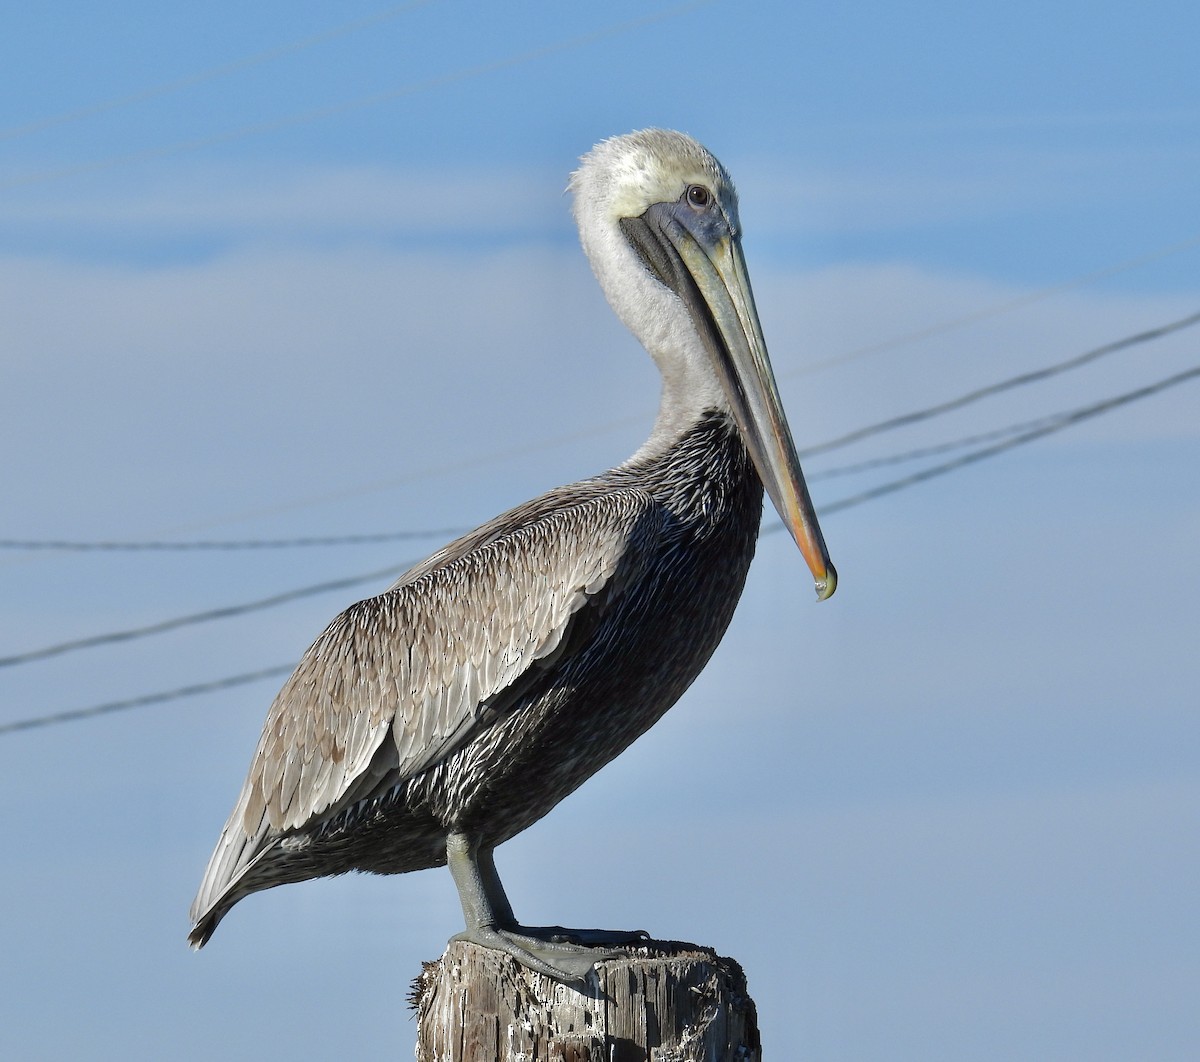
pixel 494 457
pixel 1057 423
pixel 441 468
pixel 995 310
pixel 65 545
pixel 1012 382
pixel 1060 422
pixel 208 616
pixel 917 453
pixel 877 428
pixel 76 714
pixel 363 102
pixel 1011 437
pixel 482 460
pixel 451 532
pixel 212 74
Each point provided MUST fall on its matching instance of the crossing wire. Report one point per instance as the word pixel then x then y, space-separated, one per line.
pixel 878 428
pixel 225 612
pixel 1021 380
pixel 1058 423
pixel 1015 435
pixel 75 714
pixel 1064 420
pixel 224 544
pixel 983 313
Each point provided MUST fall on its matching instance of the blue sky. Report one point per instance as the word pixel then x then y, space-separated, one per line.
pixel 948 814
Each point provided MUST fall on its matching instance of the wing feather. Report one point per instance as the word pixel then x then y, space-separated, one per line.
pixel 419 666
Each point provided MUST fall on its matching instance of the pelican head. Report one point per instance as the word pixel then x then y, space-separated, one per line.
pixel 658 219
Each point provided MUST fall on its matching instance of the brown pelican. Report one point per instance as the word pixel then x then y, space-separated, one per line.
pixel 432 723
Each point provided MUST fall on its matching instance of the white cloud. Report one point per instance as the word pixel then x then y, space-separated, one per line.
pixel 251 202
pixel 889 189
pixel 142 398
pixel 262 355
pixel 895 188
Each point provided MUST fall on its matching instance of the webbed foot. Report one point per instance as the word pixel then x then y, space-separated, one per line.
pixel 561 960
pixel 592 938
pixel 555 951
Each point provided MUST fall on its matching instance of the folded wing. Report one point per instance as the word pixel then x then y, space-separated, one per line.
pixel 398 682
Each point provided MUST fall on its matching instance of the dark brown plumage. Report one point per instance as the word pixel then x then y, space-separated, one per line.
pixel 435 721
pixel 687 524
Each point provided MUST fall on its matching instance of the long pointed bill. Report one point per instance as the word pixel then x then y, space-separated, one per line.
pixel 722 304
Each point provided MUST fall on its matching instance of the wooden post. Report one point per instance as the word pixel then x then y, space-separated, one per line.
pixel 666 1002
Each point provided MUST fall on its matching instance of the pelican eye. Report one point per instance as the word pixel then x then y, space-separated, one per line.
pixel 698 196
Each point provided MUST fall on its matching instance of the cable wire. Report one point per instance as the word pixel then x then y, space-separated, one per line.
pixel 483 460
pixel 1062 421
pixel 877 428
pixel 1013 435
pixel 1057 423
pixel 997 309
pixel 932 450
pixel 226 544
pixel 226 612
pixel 76 714
pixel 1021 380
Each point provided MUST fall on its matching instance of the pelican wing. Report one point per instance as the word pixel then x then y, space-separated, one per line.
pixel 398 682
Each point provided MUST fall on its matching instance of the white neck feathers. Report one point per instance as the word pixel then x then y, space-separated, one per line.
pixel 622 178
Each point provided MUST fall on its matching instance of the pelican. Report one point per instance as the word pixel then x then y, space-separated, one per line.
pixel 435 721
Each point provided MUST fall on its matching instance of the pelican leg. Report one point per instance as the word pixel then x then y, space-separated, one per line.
pixel 584 939
pixel 494 888
pixel 490 921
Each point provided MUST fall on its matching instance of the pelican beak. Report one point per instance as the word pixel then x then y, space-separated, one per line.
pixel 708 272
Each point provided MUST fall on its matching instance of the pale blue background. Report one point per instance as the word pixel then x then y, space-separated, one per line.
pixel 951 814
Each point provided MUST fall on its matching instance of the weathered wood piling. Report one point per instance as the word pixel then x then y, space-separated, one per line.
pixel 665 1002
